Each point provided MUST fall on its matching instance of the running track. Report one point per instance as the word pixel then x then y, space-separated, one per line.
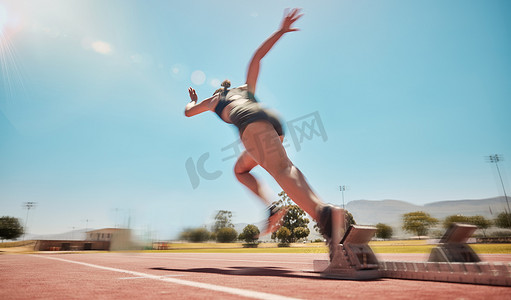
pixel 210 276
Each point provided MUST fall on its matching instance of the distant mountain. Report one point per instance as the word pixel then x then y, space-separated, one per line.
pixel 489 208
pixel 370 212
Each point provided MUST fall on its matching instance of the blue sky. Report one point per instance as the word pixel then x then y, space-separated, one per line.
pixel 406 98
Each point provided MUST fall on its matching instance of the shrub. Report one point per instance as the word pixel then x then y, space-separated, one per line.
pixel 195 235
pixel 250 234
pixel 503 220
pixel 383 231
pixel 226 235
pixel 10 228
pixel 284 236
pixel 455 219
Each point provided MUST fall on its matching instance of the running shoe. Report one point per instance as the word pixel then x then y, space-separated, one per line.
pixel 332 230
pixel 275 219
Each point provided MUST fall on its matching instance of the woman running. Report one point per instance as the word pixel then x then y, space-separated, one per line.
pixel 261 133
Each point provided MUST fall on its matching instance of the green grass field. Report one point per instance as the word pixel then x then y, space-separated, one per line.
pixel 422 247
pixel 401 246
pixel 405 246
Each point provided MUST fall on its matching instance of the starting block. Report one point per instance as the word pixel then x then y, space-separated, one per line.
pixel 352 258
pixel 452 261
pixel 453 245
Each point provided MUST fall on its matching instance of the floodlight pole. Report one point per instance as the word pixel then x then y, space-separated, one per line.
pixel 28 206
pixel 342 188
pixel 495 159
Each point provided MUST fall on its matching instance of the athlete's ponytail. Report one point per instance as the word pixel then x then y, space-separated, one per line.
pixel 225 85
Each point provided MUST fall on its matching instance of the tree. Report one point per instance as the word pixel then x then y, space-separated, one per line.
pixel 455 219
pixel 250 234
pixel 223 220
pixel 301 232
pixel 350 220
pixel 226 235
pixel 284 235
pixel 503 220
pixel 195 235
pixel 10 228
pixel 294 218
pixel 296 222
pixel 418 223
pixel 383 231
pixel 481 223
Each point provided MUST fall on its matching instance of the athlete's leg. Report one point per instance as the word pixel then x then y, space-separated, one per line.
pixel 263 143
pixel 242 170
pixel 265 147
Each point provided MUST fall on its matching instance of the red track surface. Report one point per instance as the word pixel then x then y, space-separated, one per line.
pixel 210 276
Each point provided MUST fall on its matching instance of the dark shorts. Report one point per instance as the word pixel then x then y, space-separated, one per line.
pixel 250 112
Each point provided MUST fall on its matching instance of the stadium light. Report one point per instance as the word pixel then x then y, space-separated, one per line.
pixel 495 159
pixel 342 188
pixel 28 206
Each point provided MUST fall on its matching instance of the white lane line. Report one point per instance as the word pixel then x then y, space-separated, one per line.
pixel 128 278
pixel 207 286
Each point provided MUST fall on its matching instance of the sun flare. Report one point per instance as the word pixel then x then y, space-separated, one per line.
pixel 11 77
pixel 3 19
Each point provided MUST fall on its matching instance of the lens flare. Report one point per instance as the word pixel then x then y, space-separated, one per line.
pixel 3 19
pixel 12 86
pixel 198 77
